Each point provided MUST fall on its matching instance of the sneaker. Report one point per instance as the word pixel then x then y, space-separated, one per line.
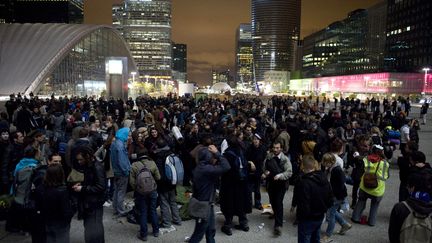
pixel 326 239
pixel 345 228
pixel 277 231
pixel 177 223
pixel 107 204
pixel 156 234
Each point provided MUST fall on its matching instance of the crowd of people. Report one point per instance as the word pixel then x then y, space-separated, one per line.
pixel 70 155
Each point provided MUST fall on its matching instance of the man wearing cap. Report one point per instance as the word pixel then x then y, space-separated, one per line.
pixel 375 164
pixel 256 153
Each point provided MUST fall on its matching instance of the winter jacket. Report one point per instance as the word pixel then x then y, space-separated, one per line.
pixel 284 164
pixel 400 212
pixel 257 156
pixel 337 182
pixel 206 174
pixel 119 155
pixel 284 140
pixel 92 194
pixel 164 185
pixel 54 204
pixel 139 165
pixel 313 196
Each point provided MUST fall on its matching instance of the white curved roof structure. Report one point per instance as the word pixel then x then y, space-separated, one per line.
pixel 29 52
pixel 220 87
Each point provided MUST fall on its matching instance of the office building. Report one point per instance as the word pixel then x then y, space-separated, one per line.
pixel 275 33
pixel 146 27
pixel 409 35
pixel 179 65
pixel 42 11
pixel 350 46
pixel 244 56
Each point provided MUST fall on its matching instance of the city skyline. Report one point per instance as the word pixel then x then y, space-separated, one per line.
pixel 209 28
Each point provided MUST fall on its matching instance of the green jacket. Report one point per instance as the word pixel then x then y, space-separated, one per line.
pixel 137 166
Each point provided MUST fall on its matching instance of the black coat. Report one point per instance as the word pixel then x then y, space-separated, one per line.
pixel 92 194
pixel 235 197
pixel 337 182
pixel 257 156
pixel 54 204
pixel 313 196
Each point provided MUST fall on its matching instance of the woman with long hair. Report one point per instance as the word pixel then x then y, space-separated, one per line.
pixel 52 199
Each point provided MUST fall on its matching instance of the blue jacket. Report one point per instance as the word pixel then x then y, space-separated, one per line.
pixel 25 162
pixel 119 156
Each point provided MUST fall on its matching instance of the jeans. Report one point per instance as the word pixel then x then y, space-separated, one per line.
pixel 334 216
pixel 206 227
pixel 120 187
pixel 254 187
pixel 309 231
pixel 355 189
pixel 276 192
pixel 361 204
pixel 147 204
pixel 403 191
pixel 93 225
pixel 169 209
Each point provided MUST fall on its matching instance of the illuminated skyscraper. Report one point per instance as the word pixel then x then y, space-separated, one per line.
pixel 179 66
pixel 146 27
pixel 275 33
pixel 244 56
pixel 42 11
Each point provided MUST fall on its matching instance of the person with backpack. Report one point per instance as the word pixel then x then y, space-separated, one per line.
pixel 404 165
pixel 22 208
pixel 372 185
pixel 166 190
pixel 410 220
pixel 278 170
pixel 142 178
pixel 91 194
pixel 235 196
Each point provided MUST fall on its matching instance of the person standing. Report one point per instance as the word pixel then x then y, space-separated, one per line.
pixel 91 195
pixel 337 182
pixel 211 165
pixel 121 168
pixel 234 192
pixel 423 112
pixel 278 170
pixel 373 164
pixel 314 197
pixel 52 199
pixel 146 204
pixel 256 153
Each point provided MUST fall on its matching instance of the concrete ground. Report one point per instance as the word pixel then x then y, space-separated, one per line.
pixel 124 232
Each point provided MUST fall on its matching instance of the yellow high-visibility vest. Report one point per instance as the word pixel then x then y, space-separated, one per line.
pixel 382 175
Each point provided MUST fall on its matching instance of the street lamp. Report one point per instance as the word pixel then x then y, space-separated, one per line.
pixel 426 70
pixel 133 76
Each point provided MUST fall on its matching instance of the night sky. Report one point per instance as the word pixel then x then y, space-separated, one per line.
pixel 208 27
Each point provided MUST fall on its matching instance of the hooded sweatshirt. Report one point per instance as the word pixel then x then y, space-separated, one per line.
pixel 119 155
pixel 313 196
pixel 400 212
pixel 25 162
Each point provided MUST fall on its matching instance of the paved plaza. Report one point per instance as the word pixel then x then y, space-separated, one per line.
pixel 116 231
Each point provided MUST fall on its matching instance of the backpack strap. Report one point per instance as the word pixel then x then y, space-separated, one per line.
pixel 408 206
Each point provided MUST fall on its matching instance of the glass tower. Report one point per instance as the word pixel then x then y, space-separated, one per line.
pixel 43 11
pixel 146 27
pixel 275 33
pixel 244 56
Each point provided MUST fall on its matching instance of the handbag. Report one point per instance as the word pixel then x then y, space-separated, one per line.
pixel 370 180
pixel 199 209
